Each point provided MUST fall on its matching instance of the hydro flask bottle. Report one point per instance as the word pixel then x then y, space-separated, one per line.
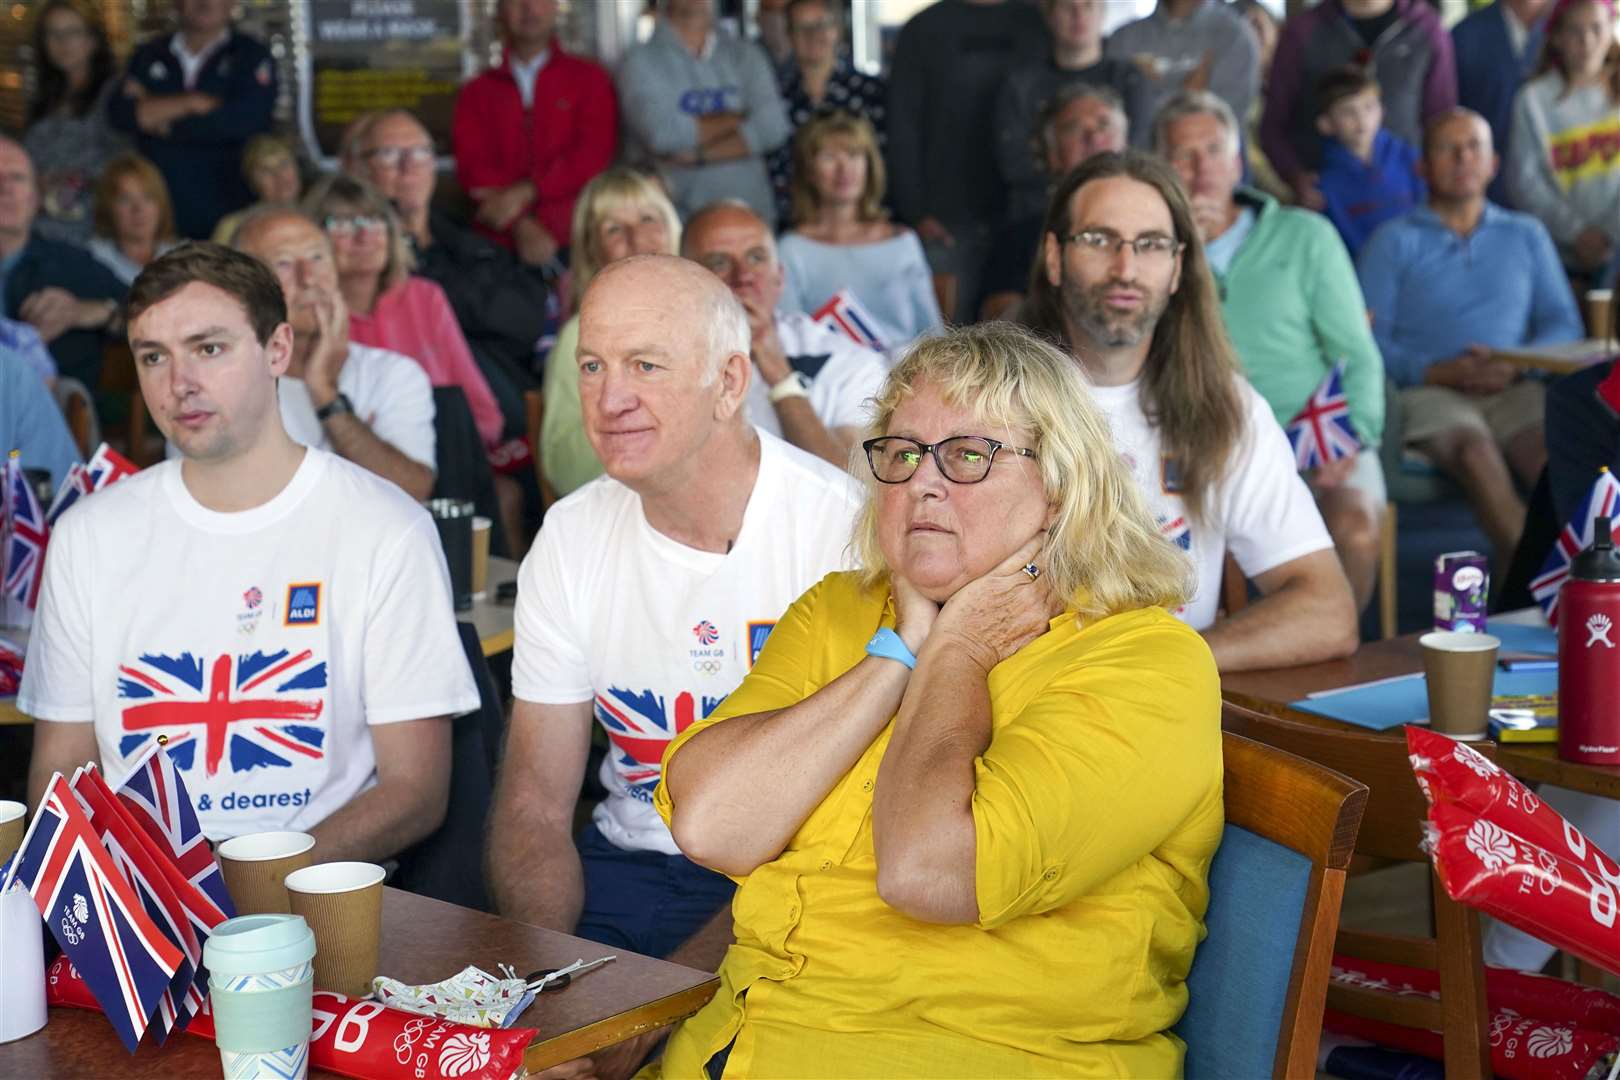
pixel 1589 654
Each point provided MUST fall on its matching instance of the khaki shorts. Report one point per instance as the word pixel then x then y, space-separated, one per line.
pixel 1429 410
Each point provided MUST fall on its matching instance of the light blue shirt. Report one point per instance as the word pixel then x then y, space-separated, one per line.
pixel 890 279
pixel 31 422
pixel 1220 251
pixel 1433 293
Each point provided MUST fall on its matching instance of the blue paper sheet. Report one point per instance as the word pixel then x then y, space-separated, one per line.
pixel 1386 705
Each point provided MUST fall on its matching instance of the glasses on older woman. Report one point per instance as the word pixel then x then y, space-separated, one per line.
pixel 354 223
pixel 962 459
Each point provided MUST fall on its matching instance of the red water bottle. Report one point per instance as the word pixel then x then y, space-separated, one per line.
pixel 1589 654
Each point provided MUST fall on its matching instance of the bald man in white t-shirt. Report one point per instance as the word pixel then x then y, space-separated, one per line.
pixel 643 603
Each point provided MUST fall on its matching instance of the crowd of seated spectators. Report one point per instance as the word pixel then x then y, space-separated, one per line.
pixel 739 273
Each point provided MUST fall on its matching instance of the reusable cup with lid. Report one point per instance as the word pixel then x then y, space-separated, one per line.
pixel 261 979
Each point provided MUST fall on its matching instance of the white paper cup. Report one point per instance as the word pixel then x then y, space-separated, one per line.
pixel 342 902
pixel 22 965
pixel 255 865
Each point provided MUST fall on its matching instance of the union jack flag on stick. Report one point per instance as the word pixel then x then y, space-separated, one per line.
pixel 155 795
pixel 1321 431
pixel 845 314
pixel 23 534
pixel 106 466
pixel 143 868
pixel 1602 501
pixel 94 914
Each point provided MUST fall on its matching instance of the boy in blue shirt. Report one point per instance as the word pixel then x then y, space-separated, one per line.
pixel 1368 175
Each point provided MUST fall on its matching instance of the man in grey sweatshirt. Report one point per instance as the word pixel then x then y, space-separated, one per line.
pixel 701 104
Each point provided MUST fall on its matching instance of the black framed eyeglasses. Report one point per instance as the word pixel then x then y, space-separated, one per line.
pixel 962 459
pixel 1149 247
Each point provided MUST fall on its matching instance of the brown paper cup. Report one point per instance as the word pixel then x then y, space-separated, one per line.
pixel 480 562
pixel 1459 669
pixel 256 864
pixel 13 823
pixel 342 903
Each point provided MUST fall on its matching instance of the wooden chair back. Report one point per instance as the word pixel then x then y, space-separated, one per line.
pixel 1258 982
pixel 1391 828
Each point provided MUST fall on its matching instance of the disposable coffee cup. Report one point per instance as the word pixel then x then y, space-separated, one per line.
pixel 1460 669
pixel 22 965
pixel 13 823
pixel 342 902
pixel 454 518
pixel 480 555
pixel 256 864
pixel 261 984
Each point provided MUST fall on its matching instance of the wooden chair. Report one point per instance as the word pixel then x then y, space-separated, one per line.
pixel 1391 829
pixel 1259 980
pixel 534 411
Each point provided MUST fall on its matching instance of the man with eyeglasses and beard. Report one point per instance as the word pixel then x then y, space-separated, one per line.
pixel 1126 288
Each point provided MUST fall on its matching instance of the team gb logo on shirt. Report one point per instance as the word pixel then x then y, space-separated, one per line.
pixel 706 633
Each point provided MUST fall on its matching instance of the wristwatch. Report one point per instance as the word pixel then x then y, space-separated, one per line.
pixel 890 646
pixel 794 385
pixel 339 404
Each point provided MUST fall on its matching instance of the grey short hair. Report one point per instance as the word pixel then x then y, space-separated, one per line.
pixel 729 203
pixel 1194 103
pixel 1067 95
pixel 726 330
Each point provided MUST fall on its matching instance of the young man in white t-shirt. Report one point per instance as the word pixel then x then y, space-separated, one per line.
pixel 811 384
pixel 280 614
pixel 371 406
pixel 1127 288
pixel 643 603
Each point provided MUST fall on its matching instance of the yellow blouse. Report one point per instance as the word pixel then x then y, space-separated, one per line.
pixel 1097 807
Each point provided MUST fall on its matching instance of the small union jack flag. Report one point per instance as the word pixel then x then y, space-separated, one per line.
pixel 845 314
pixel 640 728
pixel 1321 432
pixel 1601 501
pixel 256 706
pixel 75 486
pixel 1177 531
pixel 155 795
pixel 107 466
pixel 94 914
pixel 23 535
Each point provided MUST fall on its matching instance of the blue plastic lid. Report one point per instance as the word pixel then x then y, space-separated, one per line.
pixel 258 944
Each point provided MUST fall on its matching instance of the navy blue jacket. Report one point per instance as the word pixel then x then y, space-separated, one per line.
pixel 1489 76
pixel 47 262
pixel 201 157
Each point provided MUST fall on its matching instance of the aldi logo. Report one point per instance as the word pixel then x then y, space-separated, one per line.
pixel 303 604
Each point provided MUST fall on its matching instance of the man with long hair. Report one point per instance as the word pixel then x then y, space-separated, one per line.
pixel 1125 287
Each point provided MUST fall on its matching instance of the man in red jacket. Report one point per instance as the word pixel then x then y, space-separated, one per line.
pixel 529 134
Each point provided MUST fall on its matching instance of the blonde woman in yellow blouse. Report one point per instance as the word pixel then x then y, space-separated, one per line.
pixel 971 793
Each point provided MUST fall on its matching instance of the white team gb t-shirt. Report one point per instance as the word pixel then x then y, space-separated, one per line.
pixel 1262 511
pixel 262 643
pixel 390 392
pixel 654 633
pixel 844 377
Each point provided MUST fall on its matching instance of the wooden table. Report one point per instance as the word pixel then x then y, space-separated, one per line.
pixel 1271 692
pixel 1559 359
pixel 493 620
pixel 423 941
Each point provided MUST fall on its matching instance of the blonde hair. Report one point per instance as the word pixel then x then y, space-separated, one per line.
pixel 1103 551
pixel 339 192
pixel 808 143
pixel 614 189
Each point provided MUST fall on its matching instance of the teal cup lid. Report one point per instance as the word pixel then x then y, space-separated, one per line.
pixel 258 945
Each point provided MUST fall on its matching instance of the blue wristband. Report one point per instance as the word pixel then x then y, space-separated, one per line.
pixel 889 645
